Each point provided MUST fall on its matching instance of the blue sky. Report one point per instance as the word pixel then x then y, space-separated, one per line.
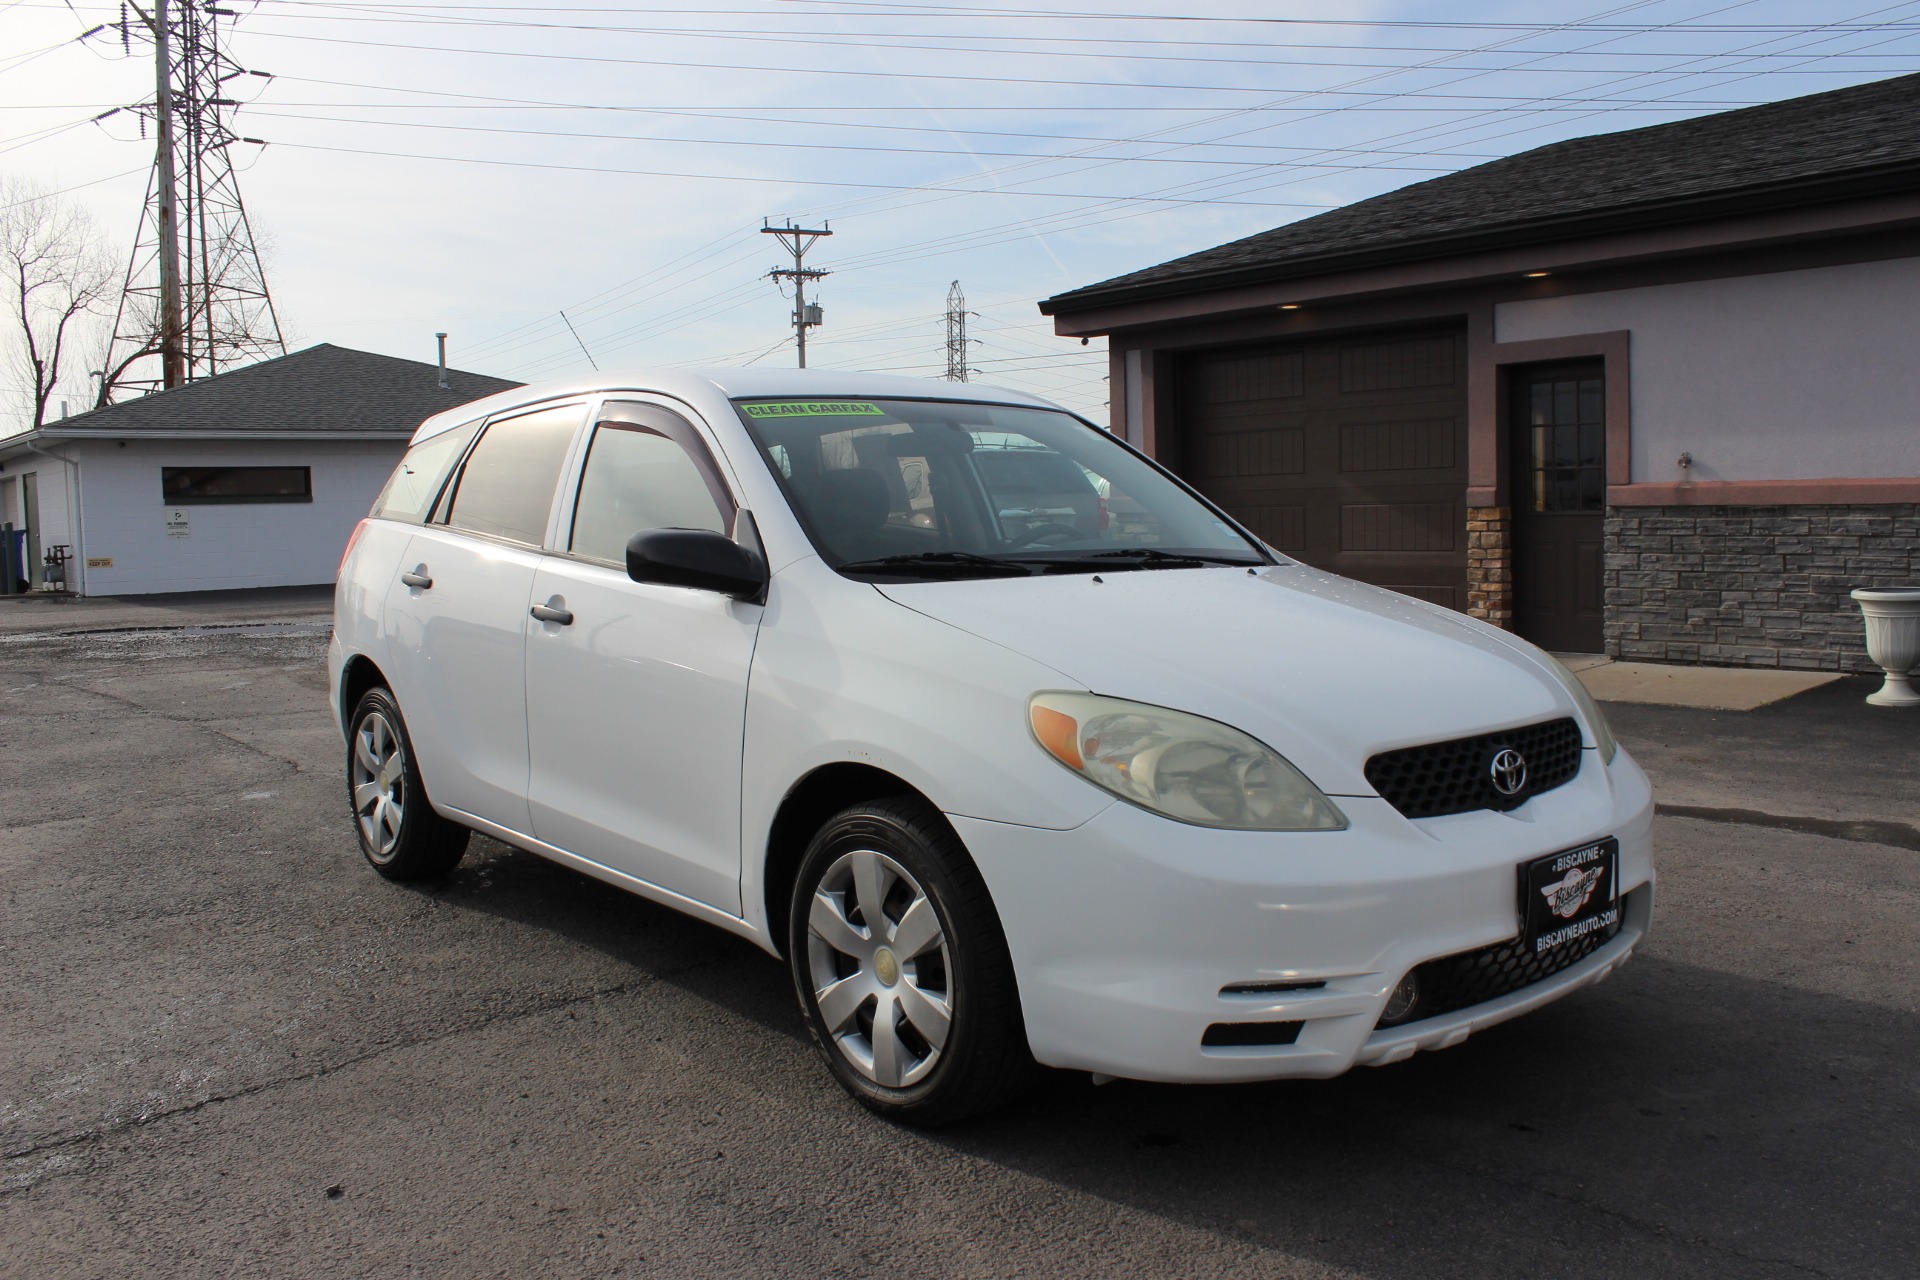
pixel 481 167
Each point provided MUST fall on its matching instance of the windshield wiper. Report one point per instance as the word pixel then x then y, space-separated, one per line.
pixel 958 561
pixel 1152 558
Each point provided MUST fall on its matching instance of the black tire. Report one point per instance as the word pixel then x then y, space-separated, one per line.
pixel 421 845
pixel 983 1061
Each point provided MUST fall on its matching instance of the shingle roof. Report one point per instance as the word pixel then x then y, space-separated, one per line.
pixel 1821 147
pixel 321 389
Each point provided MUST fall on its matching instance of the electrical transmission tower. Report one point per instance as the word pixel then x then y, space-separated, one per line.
pixel 805 314
pixel 195 301
pixel 957 314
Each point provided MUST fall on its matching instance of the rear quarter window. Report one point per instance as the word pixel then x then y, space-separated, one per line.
pixel 415 483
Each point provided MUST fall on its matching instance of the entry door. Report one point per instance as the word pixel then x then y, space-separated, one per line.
pixel 1559 474
pixel 30 519
pixel 636 692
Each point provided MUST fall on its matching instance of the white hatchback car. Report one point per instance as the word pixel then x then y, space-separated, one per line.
pixel 1016 748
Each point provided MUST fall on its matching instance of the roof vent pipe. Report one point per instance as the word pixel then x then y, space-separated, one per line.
pixel 443 360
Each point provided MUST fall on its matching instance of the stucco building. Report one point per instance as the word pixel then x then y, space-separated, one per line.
pixel 1654 393
pixel 252 478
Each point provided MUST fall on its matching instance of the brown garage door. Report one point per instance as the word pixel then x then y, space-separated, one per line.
pixel 1349 454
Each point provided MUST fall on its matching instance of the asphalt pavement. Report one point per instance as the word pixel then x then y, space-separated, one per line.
pixel 232 1050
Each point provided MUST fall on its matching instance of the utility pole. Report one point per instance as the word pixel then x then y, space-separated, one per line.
pixel 805 315
pixel 957 314
pixel 195 296
pixel 173 352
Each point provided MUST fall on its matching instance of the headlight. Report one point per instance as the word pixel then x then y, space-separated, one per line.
pixel 1589 710
pixel 1184 767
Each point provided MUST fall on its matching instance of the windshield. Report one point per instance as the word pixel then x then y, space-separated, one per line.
pixel 938 488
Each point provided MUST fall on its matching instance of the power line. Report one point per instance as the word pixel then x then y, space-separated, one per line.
pixel 274 113
pixel 1286 100
pixel 835 8
pixel 1083 218
pixel 842 72
pixel 891 40
pixel 778 181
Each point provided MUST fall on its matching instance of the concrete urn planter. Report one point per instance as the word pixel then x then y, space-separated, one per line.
pixel 1893 641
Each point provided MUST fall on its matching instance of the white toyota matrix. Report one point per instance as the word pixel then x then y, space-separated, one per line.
pixel 1018 750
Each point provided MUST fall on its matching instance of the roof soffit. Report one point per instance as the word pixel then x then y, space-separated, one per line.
pixel 1507 260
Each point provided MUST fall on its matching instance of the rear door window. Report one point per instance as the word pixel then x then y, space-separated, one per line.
pixel 506 488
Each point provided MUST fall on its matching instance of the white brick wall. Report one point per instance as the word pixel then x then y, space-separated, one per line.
pixel 269 544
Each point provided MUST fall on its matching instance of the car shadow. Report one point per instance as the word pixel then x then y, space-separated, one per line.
pixel 656 942
pixel 1676 1120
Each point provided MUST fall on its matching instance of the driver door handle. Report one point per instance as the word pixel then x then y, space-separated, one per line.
pixel 548 613
pixel 417 577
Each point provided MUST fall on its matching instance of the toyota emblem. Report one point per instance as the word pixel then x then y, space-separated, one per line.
pixel 1508 771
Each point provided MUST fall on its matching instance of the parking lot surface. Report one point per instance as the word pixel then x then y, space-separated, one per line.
pixel 232 1050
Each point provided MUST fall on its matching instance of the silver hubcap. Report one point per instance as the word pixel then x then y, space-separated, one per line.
pixel 378 775
pixel 879 965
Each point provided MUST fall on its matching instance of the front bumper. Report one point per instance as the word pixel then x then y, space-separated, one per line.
pixel 1132 934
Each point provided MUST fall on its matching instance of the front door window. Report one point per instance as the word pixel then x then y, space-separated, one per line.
pixel 645 470
pixel 1566 442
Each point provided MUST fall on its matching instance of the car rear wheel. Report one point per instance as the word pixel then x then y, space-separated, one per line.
pixel 902 967
pixel 399 832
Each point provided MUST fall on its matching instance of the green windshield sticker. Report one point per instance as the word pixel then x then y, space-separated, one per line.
pixel 815 409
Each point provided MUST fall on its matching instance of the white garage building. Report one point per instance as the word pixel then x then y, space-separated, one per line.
pixel 249 479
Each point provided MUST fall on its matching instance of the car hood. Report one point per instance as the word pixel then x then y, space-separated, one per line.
pixel 1325 670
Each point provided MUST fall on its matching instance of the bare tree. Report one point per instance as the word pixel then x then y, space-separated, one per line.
pixel 141 315
pixel 58 277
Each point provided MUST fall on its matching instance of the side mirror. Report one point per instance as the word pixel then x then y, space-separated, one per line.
pixel 697 558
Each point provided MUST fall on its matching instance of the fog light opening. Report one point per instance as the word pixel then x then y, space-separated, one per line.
pixel 1403 1002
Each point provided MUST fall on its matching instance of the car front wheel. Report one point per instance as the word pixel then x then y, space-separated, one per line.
pixel 902 967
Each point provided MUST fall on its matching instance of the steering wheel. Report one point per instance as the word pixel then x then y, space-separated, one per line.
pixel 1048 533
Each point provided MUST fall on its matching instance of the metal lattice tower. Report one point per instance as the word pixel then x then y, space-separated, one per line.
pixel 195 301
pixel 957 314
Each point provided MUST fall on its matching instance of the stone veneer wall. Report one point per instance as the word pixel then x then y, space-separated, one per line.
pixel 1752 586
pixel 1490 565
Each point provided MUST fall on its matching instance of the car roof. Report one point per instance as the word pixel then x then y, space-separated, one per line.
pixel 703 384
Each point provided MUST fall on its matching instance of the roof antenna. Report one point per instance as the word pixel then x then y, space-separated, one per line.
pixel 443 360
pixel 583 346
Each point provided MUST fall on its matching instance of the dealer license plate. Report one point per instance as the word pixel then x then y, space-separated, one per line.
pixel 1572 895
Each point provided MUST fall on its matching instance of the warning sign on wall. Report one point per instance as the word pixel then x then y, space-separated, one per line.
pixel 178 525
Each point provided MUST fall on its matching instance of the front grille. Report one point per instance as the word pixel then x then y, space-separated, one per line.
pixel 1457 776
pixel 1475 977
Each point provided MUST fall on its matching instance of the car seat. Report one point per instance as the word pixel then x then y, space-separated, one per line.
pixel 850 510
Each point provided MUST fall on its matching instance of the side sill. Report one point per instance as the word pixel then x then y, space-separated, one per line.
pixel 618 879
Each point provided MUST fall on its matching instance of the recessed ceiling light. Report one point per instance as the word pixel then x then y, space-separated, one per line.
pixel 1289 306
pixel 1535 275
